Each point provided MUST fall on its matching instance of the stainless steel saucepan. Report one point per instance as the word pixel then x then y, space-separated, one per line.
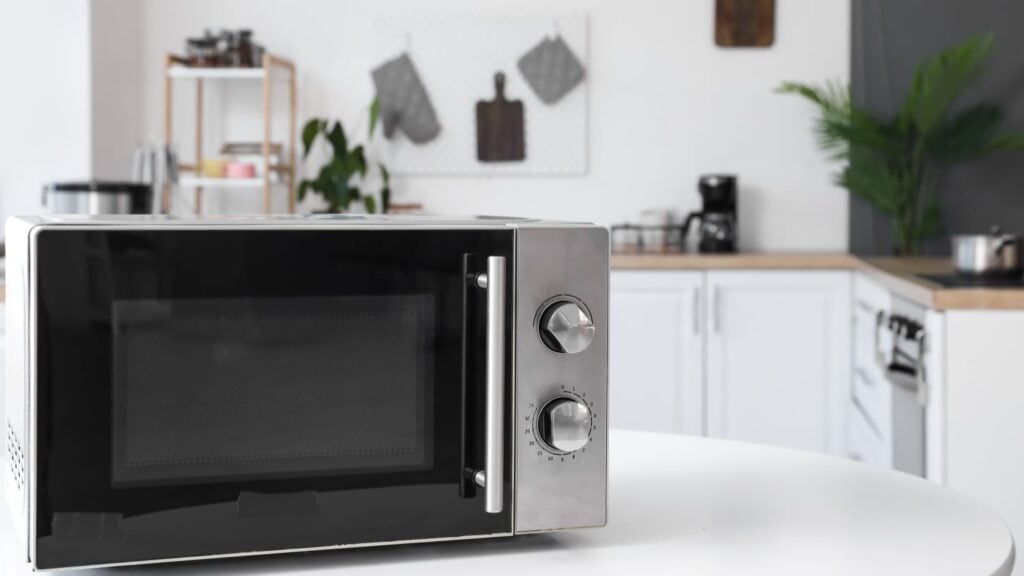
pixel 992 254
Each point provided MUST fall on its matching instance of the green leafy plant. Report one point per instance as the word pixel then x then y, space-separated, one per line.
pixel 339 179
pixel 894 163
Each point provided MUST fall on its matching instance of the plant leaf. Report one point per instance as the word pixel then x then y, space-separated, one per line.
pixel 385 200
pixel 1008 141
pixel 940 80
pixel 358 161
pixel 309 132
pixel 385 175
pixel 303 188
pixel 374 116
pixel 931 221
pixel 840 125
pixel 968 135
pixel 338 141
pixel 370 203
pixel 871 177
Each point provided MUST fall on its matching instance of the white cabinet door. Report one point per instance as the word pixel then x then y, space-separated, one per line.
pixel 872 392
pixel 656 351
pixel 778 357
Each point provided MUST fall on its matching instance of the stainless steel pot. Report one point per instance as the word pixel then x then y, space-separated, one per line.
pixel 98 197
pixel 993 254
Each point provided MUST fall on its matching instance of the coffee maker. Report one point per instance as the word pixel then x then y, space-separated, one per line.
pixel 717 217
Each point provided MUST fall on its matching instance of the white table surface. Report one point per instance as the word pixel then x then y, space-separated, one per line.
pixel 680 505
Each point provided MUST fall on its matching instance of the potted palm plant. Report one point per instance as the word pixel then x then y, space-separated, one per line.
pixel 894 162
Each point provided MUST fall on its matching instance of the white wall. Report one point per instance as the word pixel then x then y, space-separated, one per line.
pixel 116 64
pixel 45 99
pixel 666 105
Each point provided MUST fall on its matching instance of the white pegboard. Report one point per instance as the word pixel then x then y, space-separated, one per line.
pixel 457 56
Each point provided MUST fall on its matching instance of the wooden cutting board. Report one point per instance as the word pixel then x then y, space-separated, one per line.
pixel 745 23
pixel 500 134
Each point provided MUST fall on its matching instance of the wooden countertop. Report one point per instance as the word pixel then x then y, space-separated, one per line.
pixel 899 275
pixel 757 261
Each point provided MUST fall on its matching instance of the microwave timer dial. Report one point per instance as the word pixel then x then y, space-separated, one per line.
pixel 566 325
pixel 564 424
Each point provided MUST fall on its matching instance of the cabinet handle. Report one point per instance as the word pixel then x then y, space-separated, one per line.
pixel 881 318
pixel 696 311
pixel 716 315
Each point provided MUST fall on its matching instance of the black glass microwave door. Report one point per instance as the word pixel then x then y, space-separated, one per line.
pixel 207 389
pixel 205 392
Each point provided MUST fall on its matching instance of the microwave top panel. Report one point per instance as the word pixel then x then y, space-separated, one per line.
pixel 301 220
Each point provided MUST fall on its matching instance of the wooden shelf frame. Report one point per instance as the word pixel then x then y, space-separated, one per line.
pixel 175 68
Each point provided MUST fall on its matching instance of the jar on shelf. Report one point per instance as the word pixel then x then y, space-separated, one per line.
pixel 229 49
pixel 257 55
pixel 202 52
pixel 244 50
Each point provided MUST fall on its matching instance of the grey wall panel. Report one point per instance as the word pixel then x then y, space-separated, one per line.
pixel 889 37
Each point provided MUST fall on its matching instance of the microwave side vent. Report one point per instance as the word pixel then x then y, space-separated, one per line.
pixel 16 360
pixel 15 459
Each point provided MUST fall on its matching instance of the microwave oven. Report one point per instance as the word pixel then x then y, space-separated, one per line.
pixel 181 389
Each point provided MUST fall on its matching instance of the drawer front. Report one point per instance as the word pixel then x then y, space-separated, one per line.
pixel 873 396
pixel 864 339
pixel 865 444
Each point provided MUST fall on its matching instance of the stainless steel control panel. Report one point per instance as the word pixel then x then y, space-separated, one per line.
pixel 561 434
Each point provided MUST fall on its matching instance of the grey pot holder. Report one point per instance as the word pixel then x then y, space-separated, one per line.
pixel 551 69
pixel 404 102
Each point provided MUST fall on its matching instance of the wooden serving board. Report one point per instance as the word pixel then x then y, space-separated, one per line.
pixel 745 23
pixel 500 131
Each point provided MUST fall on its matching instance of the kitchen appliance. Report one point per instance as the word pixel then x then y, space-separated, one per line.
pixel 987 255
pixel 718 228
pixel 98 197
pixel 156 165
pixel 964 281
pixel 905 367
pixel 180 388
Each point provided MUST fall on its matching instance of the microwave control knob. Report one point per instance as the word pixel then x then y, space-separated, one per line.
pixel 564 425
pixel 566 327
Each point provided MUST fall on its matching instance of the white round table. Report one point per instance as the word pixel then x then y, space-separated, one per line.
pixel 681 505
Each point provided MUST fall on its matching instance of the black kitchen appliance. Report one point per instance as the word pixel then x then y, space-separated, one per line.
pixel 718 228
pixel 183 388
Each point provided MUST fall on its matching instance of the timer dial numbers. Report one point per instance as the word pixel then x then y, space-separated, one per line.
pixel 563 425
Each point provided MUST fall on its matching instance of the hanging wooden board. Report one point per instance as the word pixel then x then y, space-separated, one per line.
pixel 499 127
pixel 745 23
pixel 457 53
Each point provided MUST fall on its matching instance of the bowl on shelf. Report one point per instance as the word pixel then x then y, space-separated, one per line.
pixel 212 167
pixel 236 169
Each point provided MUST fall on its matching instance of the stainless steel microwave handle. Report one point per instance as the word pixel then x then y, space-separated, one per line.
pixel 491 478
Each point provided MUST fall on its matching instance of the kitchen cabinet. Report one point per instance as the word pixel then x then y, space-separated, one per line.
pixel 761 356
pixel 984 404
pixel 871 398
pixel 656 351
pixel 889 425
pixel 3 348
pixel 778 357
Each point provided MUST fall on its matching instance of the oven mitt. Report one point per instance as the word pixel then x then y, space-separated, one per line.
pixel 404 102
pixel 551 69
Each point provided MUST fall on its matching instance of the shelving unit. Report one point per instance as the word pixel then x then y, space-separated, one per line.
pixel 176 68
